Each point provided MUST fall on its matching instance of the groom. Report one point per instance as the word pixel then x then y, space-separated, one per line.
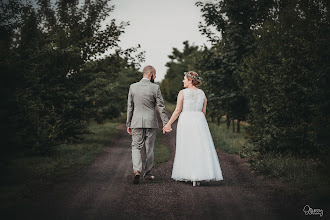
pixel 143 99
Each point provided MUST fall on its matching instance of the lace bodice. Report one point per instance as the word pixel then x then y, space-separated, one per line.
pixel 193 100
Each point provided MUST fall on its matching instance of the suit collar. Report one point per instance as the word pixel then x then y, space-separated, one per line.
pixel 145 80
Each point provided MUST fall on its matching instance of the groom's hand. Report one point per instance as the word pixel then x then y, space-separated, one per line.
pixel 129 130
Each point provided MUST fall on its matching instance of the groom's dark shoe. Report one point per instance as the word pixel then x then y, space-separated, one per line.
pixel 136 178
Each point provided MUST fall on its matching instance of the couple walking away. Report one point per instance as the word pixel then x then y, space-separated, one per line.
pixel 195 157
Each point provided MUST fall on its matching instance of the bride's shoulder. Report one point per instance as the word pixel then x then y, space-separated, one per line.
pixel 201 91
pixel 180 95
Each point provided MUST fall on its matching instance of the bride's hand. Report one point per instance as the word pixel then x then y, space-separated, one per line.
pixel 167 128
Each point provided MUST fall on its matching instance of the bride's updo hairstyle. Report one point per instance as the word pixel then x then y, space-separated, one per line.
pixel 194 78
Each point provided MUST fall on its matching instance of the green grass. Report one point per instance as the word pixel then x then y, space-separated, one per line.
pixel 307 176
pixel 24 174
pixel 170 106
pixel 162 152
pixel 226 140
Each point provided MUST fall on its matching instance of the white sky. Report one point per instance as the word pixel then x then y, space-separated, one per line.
pixel 158 26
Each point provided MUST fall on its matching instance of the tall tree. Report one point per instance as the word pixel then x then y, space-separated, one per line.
pixel 180 62
pixel 233 23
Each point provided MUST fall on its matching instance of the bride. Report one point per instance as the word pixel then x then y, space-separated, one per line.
pixel 195 157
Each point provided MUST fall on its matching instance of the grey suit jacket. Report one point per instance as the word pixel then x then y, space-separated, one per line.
pixel 144 98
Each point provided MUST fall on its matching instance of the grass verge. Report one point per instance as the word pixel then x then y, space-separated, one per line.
pixel 226 140
pixel 24 174
pixel 170 107
pixel 307 176
pixel 161 151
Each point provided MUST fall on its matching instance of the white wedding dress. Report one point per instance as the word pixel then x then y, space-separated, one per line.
pixel 195 156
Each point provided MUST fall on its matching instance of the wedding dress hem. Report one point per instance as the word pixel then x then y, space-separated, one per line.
pixel 191 180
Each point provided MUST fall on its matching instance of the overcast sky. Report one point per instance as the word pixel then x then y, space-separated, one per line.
pixel 158 26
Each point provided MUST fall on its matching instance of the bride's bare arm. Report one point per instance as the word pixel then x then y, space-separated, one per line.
pixel 177 110
pixel 204 106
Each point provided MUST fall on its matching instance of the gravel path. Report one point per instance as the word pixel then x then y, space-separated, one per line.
pixel 105 190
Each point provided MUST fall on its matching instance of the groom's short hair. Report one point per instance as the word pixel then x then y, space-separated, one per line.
pixel 147 70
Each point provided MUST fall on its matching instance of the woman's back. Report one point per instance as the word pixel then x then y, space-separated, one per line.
pixel 193 100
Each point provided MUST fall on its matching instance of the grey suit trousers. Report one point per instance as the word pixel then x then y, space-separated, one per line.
pixel 143 137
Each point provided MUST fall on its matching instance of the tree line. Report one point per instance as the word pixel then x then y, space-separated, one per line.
pixel 53 77
pixel 268 65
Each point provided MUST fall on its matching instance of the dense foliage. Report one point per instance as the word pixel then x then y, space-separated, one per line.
pixel 53 82
pixel 287 81
pixel 269 64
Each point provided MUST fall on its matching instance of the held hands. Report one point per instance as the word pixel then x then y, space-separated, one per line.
pixel 129 130
pixel 167 128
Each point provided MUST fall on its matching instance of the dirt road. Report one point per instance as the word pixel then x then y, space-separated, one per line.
pixel 105 190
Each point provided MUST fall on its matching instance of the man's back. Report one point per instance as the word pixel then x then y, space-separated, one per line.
pixel 143 98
